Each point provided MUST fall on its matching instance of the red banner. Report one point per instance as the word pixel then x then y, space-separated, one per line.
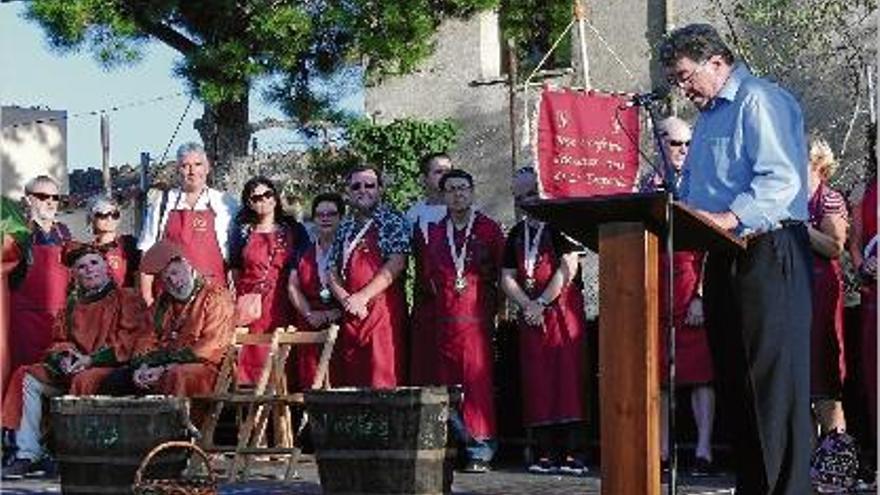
pixel 588 144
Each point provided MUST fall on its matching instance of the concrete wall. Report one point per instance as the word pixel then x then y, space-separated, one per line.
pixel 29 148
pixel 443 88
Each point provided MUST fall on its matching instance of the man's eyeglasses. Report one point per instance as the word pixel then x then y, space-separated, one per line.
pixel 685 81
pixel 264 196
pixel 455 189
pixel 45 196
pixel 365 185
pixel 678 144
pixel 327 214
pixel 102 215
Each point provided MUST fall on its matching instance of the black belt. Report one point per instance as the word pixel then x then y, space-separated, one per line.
pixel 783 224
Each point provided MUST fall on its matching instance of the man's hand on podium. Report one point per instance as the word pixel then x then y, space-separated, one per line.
pixel 725 220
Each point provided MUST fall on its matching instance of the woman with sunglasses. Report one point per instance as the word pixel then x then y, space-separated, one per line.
pixel 120 251
pixel 309 285
pixel 267 243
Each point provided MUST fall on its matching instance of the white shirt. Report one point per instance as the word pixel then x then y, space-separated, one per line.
pixel 222 204
pixel 422 214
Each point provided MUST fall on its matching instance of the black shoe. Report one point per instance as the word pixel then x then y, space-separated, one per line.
pixel 543 466
pixel 702 468
pixel 477 466
pixel 17 469
pixel 44 468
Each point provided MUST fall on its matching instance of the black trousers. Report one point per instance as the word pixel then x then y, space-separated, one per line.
pixel 758 310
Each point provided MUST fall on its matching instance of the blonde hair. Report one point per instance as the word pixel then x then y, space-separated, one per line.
pixel 822 158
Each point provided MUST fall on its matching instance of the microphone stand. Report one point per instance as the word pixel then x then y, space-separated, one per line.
pixel 670 190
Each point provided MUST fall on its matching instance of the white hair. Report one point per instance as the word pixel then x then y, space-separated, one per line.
pixel 190 147
pixel 40 179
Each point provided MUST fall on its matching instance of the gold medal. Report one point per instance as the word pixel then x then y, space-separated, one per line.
pixel 530 284
pixel 325 295
pixel 460 284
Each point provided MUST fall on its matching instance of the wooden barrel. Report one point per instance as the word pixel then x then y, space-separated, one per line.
pixel 99 441
pixel 394 441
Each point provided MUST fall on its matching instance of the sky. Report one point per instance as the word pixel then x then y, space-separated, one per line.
pixel 150 100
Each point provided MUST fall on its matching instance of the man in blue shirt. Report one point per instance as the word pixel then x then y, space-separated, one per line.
pixel 747 173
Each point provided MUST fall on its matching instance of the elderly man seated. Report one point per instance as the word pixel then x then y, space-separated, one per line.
pixel 192 324
pixel 95 334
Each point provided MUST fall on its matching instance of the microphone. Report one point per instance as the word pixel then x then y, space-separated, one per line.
pixel 645 99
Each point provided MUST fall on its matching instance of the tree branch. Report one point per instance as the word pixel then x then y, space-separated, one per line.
pixel 160 30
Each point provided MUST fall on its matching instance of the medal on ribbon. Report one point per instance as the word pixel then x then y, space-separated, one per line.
pixel 322 257
pixel 458 257
pixel 531 246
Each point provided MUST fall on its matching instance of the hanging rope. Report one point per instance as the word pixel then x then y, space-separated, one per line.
pixel 613 53
pixel 176 130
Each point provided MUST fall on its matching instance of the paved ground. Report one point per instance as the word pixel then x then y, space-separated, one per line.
pixel 506 480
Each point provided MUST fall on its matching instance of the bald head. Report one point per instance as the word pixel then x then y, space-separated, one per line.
pixel 676 136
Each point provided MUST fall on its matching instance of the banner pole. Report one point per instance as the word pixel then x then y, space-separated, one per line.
pixel 580 13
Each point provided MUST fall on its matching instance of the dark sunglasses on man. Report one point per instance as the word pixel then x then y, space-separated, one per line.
pixel 45 196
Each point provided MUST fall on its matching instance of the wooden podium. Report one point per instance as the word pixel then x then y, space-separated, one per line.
pixel 625 231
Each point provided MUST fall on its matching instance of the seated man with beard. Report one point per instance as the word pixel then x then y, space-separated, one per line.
pixel 191 326
pixel 90 338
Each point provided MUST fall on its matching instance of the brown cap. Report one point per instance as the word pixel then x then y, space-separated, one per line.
pixel 157 257
pixel 74 250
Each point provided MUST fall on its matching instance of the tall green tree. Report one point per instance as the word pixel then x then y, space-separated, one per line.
pixel 227 45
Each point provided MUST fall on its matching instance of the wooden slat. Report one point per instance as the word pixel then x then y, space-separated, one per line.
pixel 628 368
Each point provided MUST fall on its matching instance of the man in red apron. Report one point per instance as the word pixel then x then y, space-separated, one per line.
pixel 463 265
pixel 195 217
pixel 421 215
pixel 38 284
pixel 541 275
pixel 368 256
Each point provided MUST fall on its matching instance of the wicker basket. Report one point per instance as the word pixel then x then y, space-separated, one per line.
pixel 193 486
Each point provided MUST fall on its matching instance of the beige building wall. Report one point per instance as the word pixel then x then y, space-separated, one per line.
pixel 33 142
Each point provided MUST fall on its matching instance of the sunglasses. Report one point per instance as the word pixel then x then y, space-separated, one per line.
pixel 45 196
pixel 108 214
pixel 256 198
pixel 677 144
pixel 366 185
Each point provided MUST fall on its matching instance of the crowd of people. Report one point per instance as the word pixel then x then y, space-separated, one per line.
pixel 115 315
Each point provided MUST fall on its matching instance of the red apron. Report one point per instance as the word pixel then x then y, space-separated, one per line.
pixel 11 257
pixel 34 304
pixel 305 363
pixel 462 350
pixel 553 361
pixel 369 352
pixel 693 360
pixel 423 333
pixel 263 260
pixel 869 308
pixel 194 231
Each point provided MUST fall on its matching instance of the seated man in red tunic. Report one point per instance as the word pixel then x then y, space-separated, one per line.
pixel 94 335
pixel 192 325
pixel 463 264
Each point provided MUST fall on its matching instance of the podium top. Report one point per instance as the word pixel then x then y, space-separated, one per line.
pixel 580 218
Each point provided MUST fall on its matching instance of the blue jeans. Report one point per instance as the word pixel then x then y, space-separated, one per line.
pixel 482 449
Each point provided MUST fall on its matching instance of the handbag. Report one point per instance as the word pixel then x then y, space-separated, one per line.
pixel 249 307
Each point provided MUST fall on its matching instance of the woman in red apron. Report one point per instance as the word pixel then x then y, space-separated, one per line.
pixel 269 244
pixel 865 258
pixel 310 291
pixel 552 346
pixel 120 251
pixel 827 228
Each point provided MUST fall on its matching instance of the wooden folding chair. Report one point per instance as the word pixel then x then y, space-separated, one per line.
pixel 269 398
